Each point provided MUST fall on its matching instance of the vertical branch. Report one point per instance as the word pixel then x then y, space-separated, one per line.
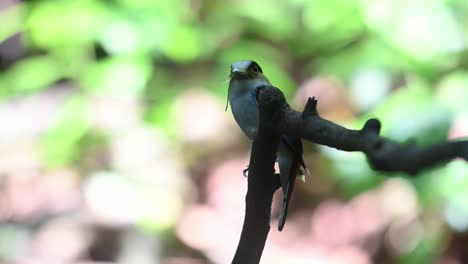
pixel 262 181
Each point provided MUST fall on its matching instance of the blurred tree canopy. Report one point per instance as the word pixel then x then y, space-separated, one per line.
pixel 141 48
pixel 392 59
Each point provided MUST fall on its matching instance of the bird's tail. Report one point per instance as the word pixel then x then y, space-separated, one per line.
pixel 284 208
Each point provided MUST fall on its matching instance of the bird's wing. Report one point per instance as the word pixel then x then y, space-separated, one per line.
pixel 294 144
pixel 256 92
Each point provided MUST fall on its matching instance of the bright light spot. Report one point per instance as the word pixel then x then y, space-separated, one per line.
pixel 120 37
pixel 459 127
pixel 428 31
pixel 456 213
pixel 201 119
pixel 61 240
pixel 416 26
pixel 115 115
pixel 398 199
pixel 452 91
pixel 352 165
pixel 369 87
pixel 112 198
pixel 126 75
pixel 425 29
pixel 164 208
pixel 378 12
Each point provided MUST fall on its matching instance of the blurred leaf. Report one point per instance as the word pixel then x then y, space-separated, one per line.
pixel 265 19
pixel 175 10
pixel 353 172
pixel 220 29
pixel 450 181
pixel 159 97
pixel 184 43
pixel 162 116
pixel 61 23
pixel 370 53
pixel 167 27
pixel 30 75
pixel 117 76
pixel 425 251
pixel 11 20
pixel 452 91
pixel 335 16
pixel 91 152
pixel 163 212
pixel 121 37
pixel 420 28
pixel 61 142
pixel 411 113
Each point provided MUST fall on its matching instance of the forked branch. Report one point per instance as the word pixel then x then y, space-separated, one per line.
pixel 277 117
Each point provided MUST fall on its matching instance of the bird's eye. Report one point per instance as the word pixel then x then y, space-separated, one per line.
pixel 256 68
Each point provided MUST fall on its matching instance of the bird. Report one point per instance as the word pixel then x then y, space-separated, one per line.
pixel 246 77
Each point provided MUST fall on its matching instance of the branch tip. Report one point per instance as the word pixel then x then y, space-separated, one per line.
pixel 372 126
pixel 464 151
pixel 310 108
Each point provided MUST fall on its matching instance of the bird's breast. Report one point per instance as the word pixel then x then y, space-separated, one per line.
pixel 245 111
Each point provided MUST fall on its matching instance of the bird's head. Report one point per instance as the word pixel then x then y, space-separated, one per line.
pixel 246 70
pixel 245 75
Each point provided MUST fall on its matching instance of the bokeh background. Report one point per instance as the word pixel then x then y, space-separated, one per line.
pixel 115 146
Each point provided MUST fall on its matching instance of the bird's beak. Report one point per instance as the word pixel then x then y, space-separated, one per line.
pixel 239 74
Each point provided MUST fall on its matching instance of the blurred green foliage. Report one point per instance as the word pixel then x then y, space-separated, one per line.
pixel 154 50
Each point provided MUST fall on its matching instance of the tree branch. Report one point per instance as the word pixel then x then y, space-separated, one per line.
pixel 277 117
pixel 383 154
pixel 262 182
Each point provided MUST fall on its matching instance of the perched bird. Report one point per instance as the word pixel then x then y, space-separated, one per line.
pixel 245 78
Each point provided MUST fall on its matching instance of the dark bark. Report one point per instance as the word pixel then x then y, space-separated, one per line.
pixel 383 154
pixel 276 117
pixel 262 181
